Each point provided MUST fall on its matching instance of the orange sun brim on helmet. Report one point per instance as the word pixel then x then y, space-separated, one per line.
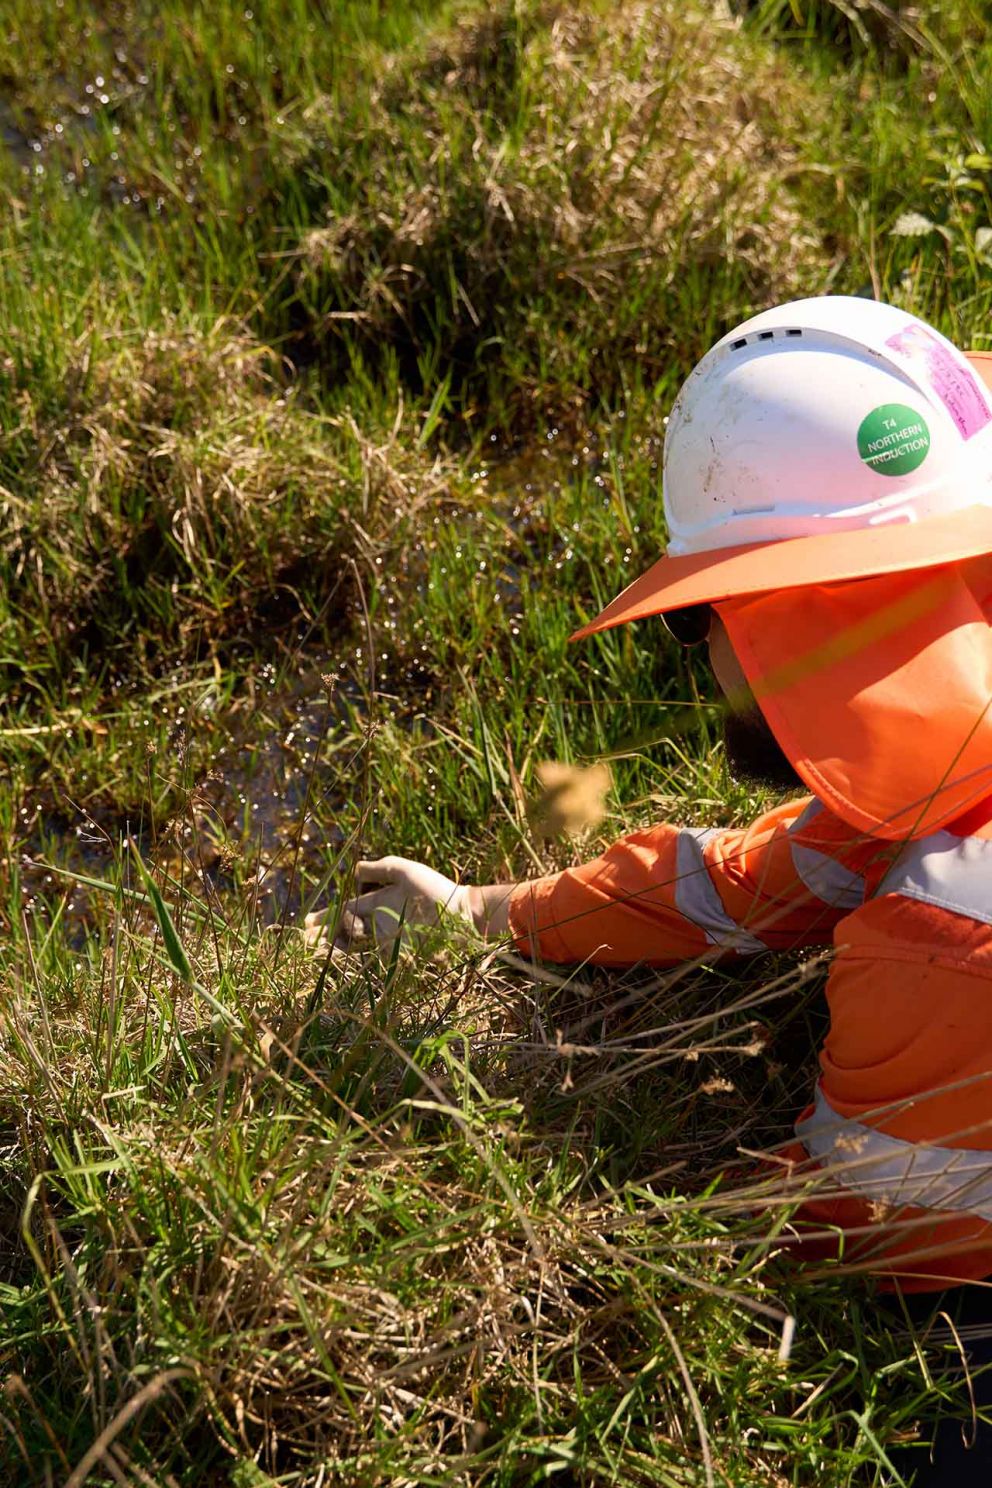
pixel 797 562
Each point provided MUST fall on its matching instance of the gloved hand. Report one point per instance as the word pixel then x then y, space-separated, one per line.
pixel 405 894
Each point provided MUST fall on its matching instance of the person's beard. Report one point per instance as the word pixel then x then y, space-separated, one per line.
pixel 753 752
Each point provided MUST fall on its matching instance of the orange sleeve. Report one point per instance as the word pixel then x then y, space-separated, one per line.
pixel 669 894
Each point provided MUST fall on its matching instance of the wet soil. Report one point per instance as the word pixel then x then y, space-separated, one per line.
pixel 241 833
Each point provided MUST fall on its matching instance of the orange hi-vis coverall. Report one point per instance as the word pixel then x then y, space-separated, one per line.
pixel 902 1115
pixel 890 862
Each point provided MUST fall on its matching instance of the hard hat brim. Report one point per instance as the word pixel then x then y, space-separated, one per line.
pixel 794 563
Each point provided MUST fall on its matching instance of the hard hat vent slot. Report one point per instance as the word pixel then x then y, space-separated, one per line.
pixel 743 341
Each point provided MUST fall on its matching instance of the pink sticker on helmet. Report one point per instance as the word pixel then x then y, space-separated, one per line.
pixel 956 386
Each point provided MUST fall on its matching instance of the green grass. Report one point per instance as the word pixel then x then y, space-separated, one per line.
pixel 335 347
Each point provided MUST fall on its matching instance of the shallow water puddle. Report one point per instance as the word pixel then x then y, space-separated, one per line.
pixel 253 780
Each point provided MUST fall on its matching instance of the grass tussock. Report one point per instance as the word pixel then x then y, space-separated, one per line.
pixel 182 490
pixel 545 189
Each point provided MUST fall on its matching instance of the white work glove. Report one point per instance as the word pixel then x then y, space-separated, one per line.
pixel 405 894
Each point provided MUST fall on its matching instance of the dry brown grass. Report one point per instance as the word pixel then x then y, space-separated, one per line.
pixel 570 166
pixel 324 1260
pixel 183 483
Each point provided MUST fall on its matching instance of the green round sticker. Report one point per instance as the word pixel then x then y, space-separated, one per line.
pixel 893 439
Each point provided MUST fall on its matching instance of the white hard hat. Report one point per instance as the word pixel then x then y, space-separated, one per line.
pixel 820 416
pixel 824 440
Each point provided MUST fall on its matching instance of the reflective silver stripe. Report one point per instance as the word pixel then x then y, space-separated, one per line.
pixel 697 899
pixel 950 872
pixel 822 875
pixel 889 1171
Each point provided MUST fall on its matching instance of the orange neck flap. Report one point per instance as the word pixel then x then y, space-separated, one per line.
pixel 879 691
